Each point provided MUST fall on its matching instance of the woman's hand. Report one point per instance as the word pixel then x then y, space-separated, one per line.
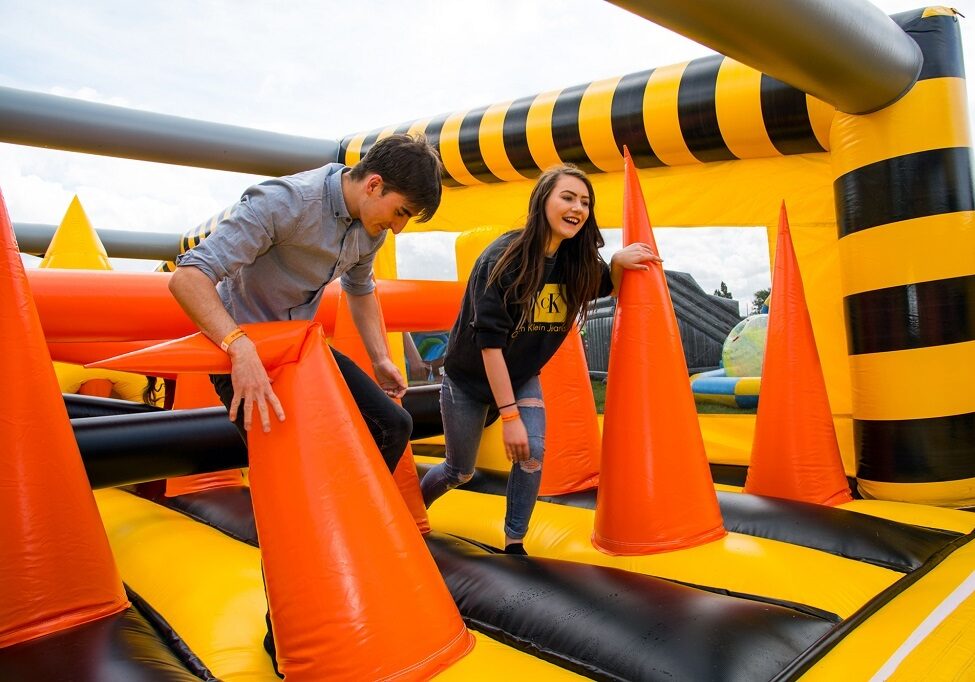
pixel 634 256
pixel 515 440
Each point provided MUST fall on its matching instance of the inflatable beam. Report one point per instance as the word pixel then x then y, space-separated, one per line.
pixel 33 118
pixel 865 64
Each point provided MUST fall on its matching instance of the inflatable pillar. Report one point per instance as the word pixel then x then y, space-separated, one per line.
pixel 655 492
pixel 343 562
pixel 57 569
pixel 905 211
pixel 346 340
pixel 795 454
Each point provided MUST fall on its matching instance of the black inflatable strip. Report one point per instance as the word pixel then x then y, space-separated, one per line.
pixel 916 450
pixel 227 510
pixel 697 111
pixel 170 636
pixel 940 41
pixel 860 537
pixel 123 646
pixel 565 128
pixel 803 663
pixel 931 182
pixel 469 141
pixel 403 128
pixel 786 118
pixel 368 141
pixel 626 118
pixel 612 624
pixel 514 133
pixel 919 315
pixel 82 406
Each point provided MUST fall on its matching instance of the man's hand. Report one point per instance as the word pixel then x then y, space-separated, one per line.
pixel 251 385
pixel 389 377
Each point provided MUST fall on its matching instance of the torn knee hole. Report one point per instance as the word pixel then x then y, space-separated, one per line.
pixel 530 466
pixel 464 478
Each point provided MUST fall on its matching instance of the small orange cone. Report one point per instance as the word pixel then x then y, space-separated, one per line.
pixel 655 491
pixel 795 454
pixel 195 391
pixel 57 569
pixel 343 561
pixel 347 341
pixel 572 438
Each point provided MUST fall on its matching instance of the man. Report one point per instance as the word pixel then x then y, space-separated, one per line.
pixel 282 243
pixel 272 257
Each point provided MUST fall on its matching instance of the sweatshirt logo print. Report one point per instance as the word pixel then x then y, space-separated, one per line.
pixel 549 305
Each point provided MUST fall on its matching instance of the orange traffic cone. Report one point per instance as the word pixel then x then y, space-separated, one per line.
pixel 57 570
pixel 196 391
pixel 346 340
pixel 795 454
pixel 655 490
pixel 343 562
pixel 572 438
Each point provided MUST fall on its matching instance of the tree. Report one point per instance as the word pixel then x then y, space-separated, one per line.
pixel 723 291
pixel 759 298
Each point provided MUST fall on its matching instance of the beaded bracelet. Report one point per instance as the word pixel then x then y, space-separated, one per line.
pixel 230 338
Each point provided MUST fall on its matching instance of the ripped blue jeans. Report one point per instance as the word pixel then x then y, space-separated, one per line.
pixel 463 419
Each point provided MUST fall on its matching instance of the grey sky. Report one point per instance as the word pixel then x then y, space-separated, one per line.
pixel 321 69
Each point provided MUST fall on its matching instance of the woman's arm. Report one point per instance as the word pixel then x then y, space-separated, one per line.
pixel 631 257
pixel 514 433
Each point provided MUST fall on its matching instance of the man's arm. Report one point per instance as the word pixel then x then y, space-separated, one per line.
pixel 197 295
pixel 366 316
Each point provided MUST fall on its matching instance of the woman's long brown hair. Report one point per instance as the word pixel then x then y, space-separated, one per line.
pixel 525 255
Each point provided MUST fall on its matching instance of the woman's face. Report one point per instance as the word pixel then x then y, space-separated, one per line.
pixel 566 209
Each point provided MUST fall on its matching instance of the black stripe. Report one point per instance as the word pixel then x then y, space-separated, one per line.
pixel 904 187
pixel 627 119
pixel 470 146
pixel 403 128
pixel 786 118
pixel 939 38
pixel 565 128
pixel 697 110
pixel 432 132
pixel 368 141
pixel 916 450
pixel 920 315
pixel 515 137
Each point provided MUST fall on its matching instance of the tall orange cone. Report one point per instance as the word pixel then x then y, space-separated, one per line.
pixel 346 340
pixel 57 569
pixel 795 454
pixel 195 391
pixel 343 561
pixel 572 438
pixel 655 490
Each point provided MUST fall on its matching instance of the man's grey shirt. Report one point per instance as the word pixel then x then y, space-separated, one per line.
pixel 282 243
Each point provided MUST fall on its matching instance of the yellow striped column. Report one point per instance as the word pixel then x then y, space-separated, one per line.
pixel 905 211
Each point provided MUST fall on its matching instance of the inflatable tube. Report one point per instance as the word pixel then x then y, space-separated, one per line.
pixel 715 387
pixel 83 406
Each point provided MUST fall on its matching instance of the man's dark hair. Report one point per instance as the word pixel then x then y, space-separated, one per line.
pixel 409 166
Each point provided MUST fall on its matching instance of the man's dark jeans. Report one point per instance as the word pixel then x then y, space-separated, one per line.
pixel 389 424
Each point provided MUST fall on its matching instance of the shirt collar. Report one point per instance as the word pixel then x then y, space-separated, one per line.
pixel 337 208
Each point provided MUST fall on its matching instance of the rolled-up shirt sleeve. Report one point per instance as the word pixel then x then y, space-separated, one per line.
pixel 492 321
pixel 358 280
pixel 266 214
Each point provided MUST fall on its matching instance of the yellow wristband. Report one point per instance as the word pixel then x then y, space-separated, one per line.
pixel 511 416
pixel 230 338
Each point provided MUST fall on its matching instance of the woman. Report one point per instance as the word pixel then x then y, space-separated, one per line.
pixel 524 293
